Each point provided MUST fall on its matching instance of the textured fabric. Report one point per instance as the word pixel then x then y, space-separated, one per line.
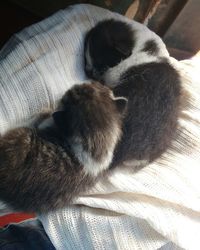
pixel 155 208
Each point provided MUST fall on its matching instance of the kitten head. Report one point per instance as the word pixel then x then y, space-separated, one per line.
pixel 90 117
pixel 106 45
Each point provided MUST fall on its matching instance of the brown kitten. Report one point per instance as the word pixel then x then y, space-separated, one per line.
pixel 45 168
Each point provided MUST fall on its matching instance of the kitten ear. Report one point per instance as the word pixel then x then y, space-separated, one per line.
pixel 67 121
pixel 59 119
pixel 122 47
pixel 119 44
pixel 121 103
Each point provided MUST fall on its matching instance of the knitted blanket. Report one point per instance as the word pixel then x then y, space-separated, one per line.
pixel 155 208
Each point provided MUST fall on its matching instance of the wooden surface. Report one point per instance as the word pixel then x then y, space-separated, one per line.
pixel 184 33
pixel 165 15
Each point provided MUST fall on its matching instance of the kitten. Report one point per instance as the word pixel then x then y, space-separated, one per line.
pixel 46 167
pixel 139 70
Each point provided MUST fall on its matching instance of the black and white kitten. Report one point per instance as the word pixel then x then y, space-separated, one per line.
pixel 138 68
pixel 45 167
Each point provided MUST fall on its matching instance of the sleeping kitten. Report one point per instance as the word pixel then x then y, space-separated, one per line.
pixel 46 167
pixel 138 69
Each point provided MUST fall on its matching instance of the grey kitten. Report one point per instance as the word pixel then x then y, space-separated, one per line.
pixel 46 167
pixel 141 72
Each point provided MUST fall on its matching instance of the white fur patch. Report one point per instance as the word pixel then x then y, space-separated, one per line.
pixel 117 98
pixel 112 76
pixel 135 163
pixel 92 166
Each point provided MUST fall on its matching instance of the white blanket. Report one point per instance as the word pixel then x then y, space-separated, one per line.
pixel 155 208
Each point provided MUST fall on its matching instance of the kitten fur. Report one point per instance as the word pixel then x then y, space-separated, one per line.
pixel 46 167
pixel 142 73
